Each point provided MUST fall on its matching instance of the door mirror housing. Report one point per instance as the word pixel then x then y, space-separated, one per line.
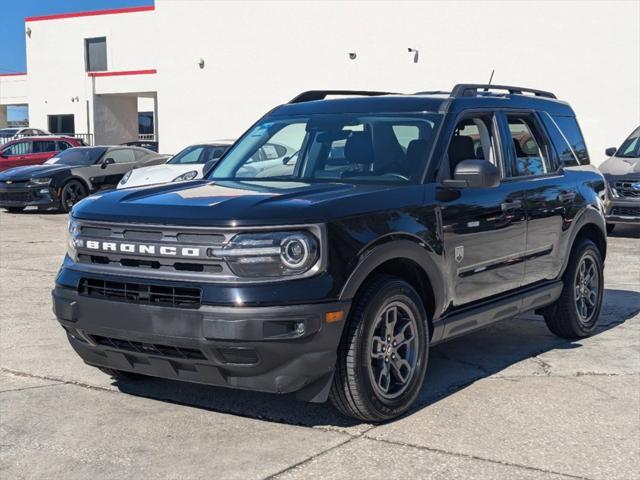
pixel 208 167
pixel 107 161
pixel 474 173
pixel 611 151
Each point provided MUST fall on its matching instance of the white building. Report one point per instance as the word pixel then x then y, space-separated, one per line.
pixel 210 69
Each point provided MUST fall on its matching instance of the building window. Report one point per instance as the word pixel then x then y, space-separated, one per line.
pixel 62 124
pixel 145 123
pixel 95 51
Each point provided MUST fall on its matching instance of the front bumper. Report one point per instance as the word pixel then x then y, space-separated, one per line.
pixel 20 195
pixel 619 210
pixel 278 349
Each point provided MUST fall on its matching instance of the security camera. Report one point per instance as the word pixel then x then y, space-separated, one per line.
pixel 352 55
pixel 416 54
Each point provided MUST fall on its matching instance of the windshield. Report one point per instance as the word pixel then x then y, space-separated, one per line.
pixel 78 156
pixel 631 146
pixel 198 154
pixel 354 148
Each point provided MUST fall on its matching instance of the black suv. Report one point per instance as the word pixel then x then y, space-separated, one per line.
pixel 396 223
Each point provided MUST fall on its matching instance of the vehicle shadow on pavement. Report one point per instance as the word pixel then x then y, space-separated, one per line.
pixel 626 231
pixel 452 366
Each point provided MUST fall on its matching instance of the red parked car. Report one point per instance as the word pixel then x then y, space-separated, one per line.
pixel 34 150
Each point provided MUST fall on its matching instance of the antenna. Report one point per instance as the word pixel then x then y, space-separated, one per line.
pixel 490 78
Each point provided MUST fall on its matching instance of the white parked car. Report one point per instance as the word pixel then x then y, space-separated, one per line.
pixel 191 162
pixel 8 134
pixel 188 164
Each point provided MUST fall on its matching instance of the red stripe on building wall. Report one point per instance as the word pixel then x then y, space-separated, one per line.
pixel 122 73
pixel 92 13
pixel 12 74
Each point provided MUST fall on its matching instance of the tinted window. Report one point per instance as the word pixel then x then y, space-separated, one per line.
pixel 192 154
pixel 123 155
pixel 63 145
pixel 531 154
pixel 351 148
pixel 43 146
pixel 571 131
pixel 20 148
pixel 78 156
pixel 631 146
pixel 95 54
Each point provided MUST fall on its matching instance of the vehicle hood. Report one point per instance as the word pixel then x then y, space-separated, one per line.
pixel 32 171
pixel 231 203
pixel 159 174
pixel 620 166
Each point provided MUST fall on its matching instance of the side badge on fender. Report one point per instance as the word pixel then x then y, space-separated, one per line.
pixel 459 253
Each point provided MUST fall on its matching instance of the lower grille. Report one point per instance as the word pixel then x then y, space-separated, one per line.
pixel 15 196
pixel 149 348
pixel 626 211
pixel 140 293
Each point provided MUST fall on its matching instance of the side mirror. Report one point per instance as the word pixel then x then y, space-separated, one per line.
pixel 206 170
pixel 107 161
pixel 3 155
pixel 474 174
pixel 611 151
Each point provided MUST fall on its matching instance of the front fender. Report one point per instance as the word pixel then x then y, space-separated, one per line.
pixel 405 249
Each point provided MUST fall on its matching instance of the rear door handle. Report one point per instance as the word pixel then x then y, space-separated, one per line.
pixel 566 196
pixel 511 205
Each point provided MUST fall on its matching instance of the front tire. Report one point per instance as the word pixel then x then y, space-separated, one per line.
pixel 72 192
pixel 382 357
pixel 575 314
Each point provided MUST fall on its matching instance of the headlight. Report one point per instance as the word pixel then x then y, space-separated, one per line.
pixel 126 177
pixel 73 231
pixel 271 254
pixel 39 182
pixel 186 176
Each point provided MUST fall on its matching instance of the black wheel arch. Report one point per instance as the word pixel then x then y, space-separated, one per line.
pixel 590 223
pixel 407 259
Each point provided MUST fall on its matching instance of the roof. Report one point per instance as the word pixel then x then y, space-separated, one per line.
pixel 459 99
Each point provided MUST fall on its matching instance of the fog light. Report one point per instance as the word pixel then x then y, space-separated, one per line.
pixel 300 329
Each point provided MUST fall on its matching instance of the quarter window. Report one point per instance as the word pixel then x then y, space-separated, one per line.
pixel 530 151
pixel 572 133
pixel 122 156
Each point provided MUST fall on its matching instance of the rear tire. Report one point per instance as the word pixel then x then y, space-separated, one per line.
pixel 14 209
pixel 575 314
pixel 72 192
pixel 610 227
pixel 382 357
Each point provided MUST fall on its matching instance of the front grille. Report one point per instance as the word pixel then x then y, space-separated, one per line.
pixel 16 196
pixel 149 348
pixel 624 188
pixel 626 211
pixel 153 238
pixel 178 297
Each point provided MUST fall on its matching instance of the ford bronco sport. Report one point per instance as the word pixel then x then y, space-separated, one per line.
pixel 397 222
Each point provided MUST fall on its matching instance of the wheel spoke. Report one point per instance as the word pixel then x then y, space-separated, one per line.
pixel 376 349
pixel 402 369
pixel 384 378
pixel 405 336
pixel 391 317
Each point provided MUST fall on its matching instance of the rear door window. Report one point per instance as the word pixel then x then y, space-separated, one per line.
pixel 124 155
pixel 531 151
pixel 44 146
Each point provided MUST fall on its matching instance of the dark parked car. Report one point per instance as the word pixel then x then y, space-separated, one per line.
pixel 622 171
pixel 70 176
pixel 401 221
pixel 34 150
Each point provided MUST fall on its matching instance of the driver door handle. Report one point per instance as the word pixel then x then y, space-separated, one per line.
pixel 511 205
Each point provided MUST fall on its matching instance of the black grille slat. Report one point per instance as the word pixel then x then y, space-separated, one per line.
pixel 149 348
pixel 626 211
pixel 179 297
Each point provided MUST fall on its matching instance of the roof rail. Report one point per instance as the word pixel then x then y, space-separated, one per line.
pixel 471 90
pixel 322 94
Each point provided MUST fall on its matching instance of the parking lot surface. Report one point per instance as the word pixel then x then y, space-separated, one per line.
pixel 511 401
